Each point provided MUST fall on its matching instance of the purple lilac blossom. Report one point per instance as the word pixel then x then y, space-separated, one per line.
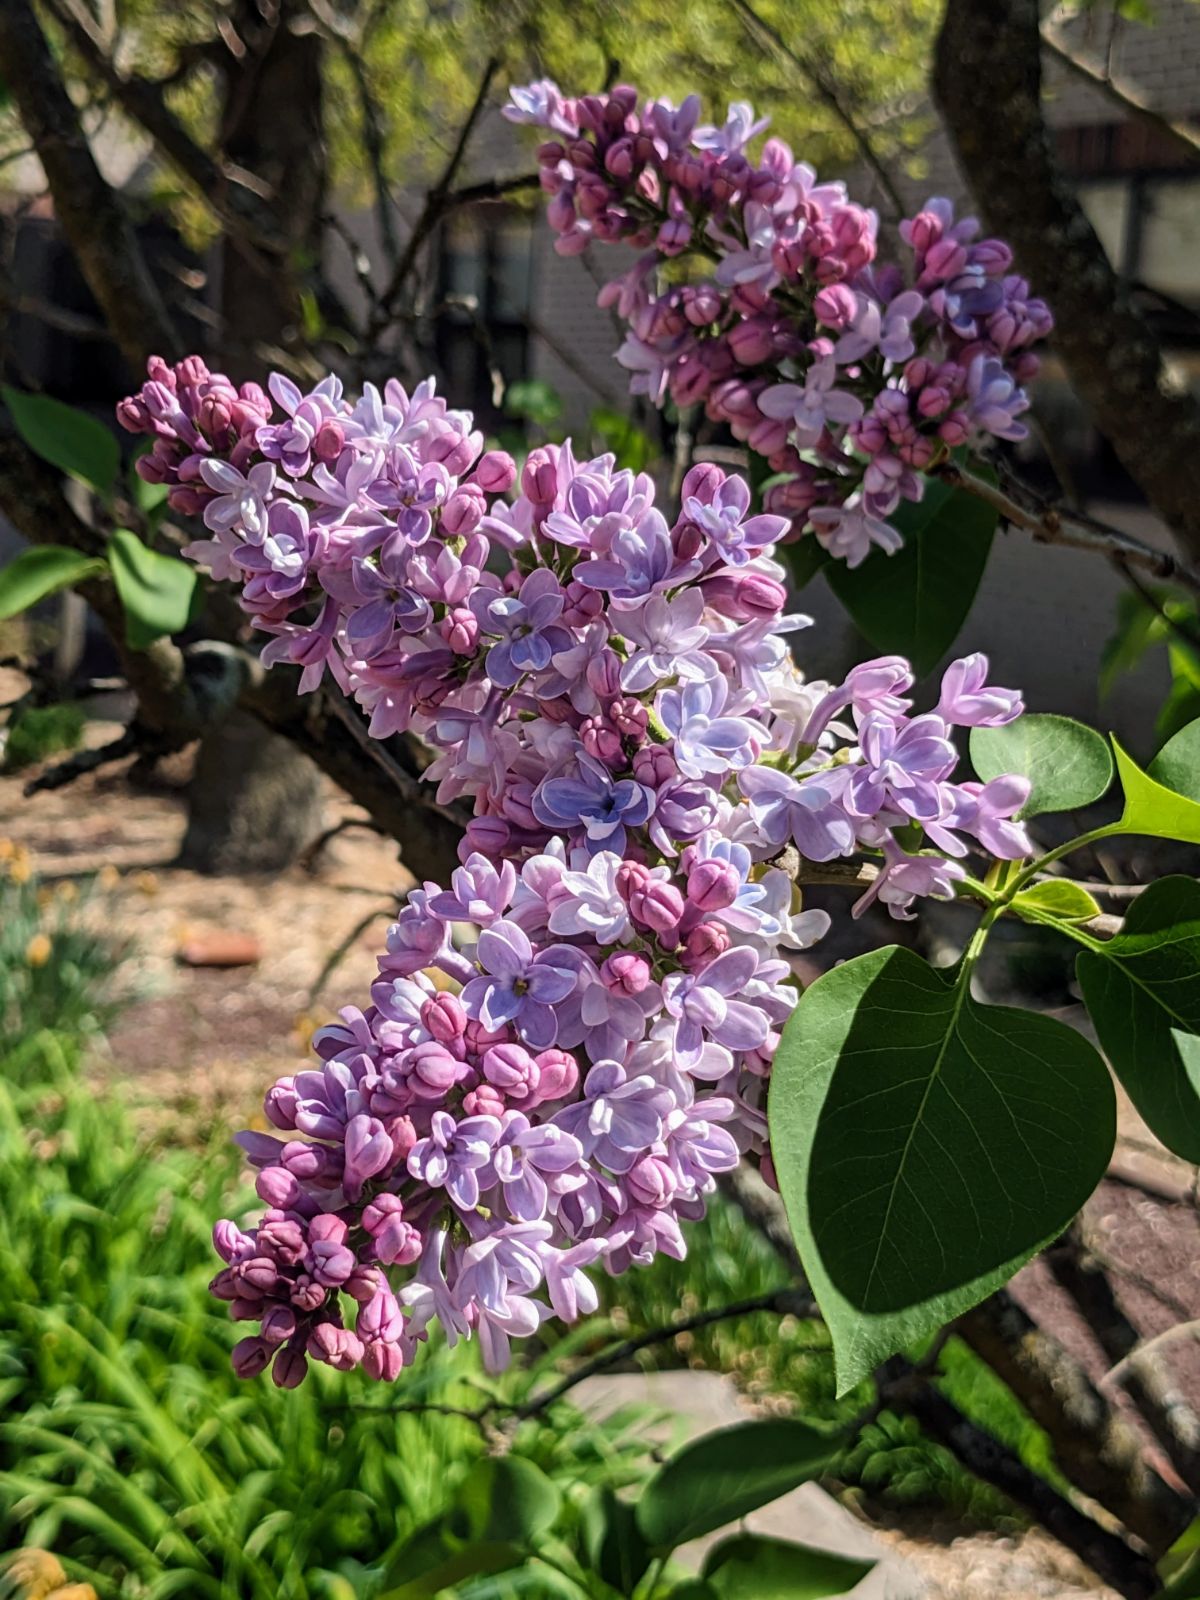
pixel 611 695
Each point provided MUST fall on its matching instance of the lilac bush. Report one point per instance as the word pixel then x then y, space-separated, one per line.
pixel 567 1046
pixel 853 376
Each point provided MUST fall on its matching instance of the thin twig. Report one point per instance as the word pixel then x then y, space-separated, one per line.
pixel 786 1301
pixel 435 201
pixel 817 76
pixel 1049 525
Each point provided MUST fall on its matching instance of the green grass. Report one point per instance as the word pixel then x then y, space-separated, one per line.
pixel 128 1447
pixel 41 731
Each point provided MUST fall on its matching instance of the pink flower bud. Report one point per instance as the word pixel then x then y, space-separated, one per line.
pixel 539 477
pixel 630 718
pixel 602 741
pixel 485 1101
pixel 460 629
pixel 444 1017
pixel 250 1357
pixel 489 836
pixel 276 1186
pixel 702 483
pixel 625 973
pixel 290 1369
pixel 751 341
pixel 278 1324
pixel 558 1074
pixel 746 596
pixel 835 306
pixel 495 472
pixel 705 942
pixel 329 441
pixel 463 510
pixel 713 885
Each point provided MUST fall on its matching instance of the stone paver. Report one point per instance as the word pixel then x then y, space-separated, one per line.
pixel 692 1403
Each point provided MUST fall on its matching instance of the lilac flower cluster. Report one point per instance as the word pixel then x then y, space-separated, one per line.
pixel 853 377
pixel 568 1044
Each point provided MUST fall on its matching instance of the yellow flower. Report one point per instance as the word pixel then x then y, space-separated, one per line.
pixel 20 866
pixel 33 1574
pixel 39 949
pixel 108 877
pixel 37 1575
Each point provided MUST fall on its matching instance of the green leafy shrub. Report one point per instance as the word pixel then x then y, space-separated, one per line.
pixel 41 731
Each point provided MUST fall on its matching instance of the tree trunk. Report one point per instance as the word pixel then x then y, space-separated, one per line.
pixel 255 801
pixel 987 82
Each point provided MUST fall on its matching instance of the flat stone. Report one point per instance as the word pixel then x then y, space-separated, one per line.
pixel 685 1404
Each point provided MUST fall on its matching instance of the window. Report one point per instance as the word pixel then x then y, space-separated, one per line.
pixel 484 293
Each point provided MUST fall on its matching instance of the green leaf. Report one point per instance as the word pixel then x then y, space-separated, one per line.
pixel 1139 626
pixel 915 602
pixel 1058 899
pixel 1142 991
pixel 612 1540
pixel 1067 764
pixel 66 438
pixel 1177 764
pixel 1151 808
pixel 469 1560
pixel 805 557
pixel 726 1474
pixel 753 1568
pixel 693 1589
pixel 156 590
pixel 501 1505
pixel 507 1498
pixel 534 400
pixel 631 445
pixel 42 570
pixel 926 1146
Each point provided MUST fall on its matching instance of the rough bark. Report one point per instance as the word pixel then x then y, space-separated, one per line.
pixel 1148 1382
pixel 255 801
pixel 1094 1446
pixel 987 82
pixel 1110 1558
pixel 92 215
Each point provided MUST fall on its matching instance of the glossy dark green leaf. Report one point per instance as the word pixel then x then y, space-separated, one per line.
pixel 804 558
pixel 68 439
pixel 40 571
pixel 915 602
pixel 156 590
pixel 926 1146
pixel 1142 991
pixel 727 1474
pixel 750 1567
pixel 1068 765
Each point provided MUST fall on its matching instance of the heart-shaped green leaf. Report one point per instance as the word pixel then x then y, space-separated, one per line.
pixel 915 602
pixel 926 1146
pixel 1068 765
pixel 67 438
pixel 1142 991
pixel 39 572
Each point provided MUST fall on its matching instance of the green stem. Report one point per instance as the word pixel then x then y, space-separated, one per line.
pixel 1031 871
